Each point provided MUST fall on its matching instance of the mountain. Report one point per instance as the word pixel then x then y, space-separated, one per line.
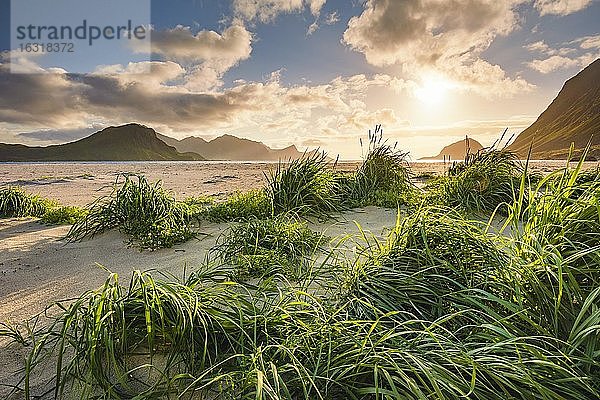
pixel 228 147
pixel 573 117
pixel 131 142
pixel 458 150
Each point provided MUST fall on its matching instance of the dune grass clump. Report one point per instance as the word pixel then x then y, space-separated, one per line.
pixel 557 236
pixel 482 182
pixel 258 248
pixel 306 186
pixel 383 178
pixel 425 270
pixel 63 215
pixel 240 207
pixel 128 342
pixel 146 212
pixel 218 339
pixel 15 202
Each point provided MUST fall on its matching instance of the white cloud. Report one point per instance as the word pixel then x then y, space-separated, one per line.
pixel 555 63
pixel 268 10
pixel 444 36
pixel 208 55
pixel 576 53
pixel 331 19
pixel 552 63
pixel 561 7
pixel 589 42
pixel 179 43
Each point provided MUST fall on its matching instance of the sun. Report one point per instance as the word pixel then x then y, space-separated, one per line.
pixel 433 90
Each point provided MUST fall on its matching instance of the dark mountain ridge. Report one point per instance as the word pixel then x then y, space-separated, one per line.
pixel 130 142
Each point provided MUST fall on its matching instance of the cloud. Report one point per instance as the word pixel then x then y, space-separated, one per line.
pixel 158 94
pixel 207 55
pixel 389 32
pixel 553 63
pixel 542 47
pixel 180 43
pixel 39 99
pixel 432 34
pixel 331 19
pixel 50 136
pixel 268 10
pixel 589 42
pixel 576 53
pixel 560 7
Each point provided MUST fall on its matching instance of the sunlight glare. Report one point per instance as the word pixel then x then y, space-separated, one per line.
pixel 432 91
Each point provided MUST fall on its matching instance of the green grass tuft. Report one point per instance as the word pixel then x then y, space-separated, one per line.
pixel 146 212
pixel 240 207
pixel 424 268
pixel 482 182
pixel 258 248
pixel 384 176
pixel 63 215
pixel 15 202
pixel 306 186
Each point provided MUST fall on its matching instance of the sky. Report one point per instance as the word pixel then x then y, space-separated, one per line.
pixel 314 73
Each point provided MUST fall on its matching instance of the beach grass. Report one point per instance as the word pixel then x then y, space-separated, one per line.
pixel 240 206
pixel 63 215
pixel 305 186
pixel 147 213
pixel 443 307
pixel 264 247
pixel 383 178
pixel 482 182
pixel 16 202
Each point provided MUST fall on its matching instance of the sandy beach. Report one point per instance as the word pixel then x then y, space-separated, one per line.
pixel 38 268
pixel 79 183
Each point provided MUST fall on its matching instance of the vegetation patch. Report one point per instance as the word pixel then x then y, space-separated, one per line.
pixel 63 215
pixel 425 269
pixel 443 308
pixel 146 212
pixel 482 182
pixel 383 178
pixel 257 248
pixel 306 186
pixel 240 207
pixel 15 202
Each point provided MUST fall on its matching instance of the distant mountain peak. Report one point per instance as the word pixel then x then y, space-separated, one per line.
pixel 457 150
pixel 230 147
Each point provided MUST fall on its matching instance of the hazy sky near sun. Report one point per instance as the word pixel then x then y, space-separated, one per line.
pixel 318 72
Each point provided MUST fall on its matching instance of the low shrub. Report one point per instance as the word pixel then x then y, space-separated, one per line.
pixel 240 207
